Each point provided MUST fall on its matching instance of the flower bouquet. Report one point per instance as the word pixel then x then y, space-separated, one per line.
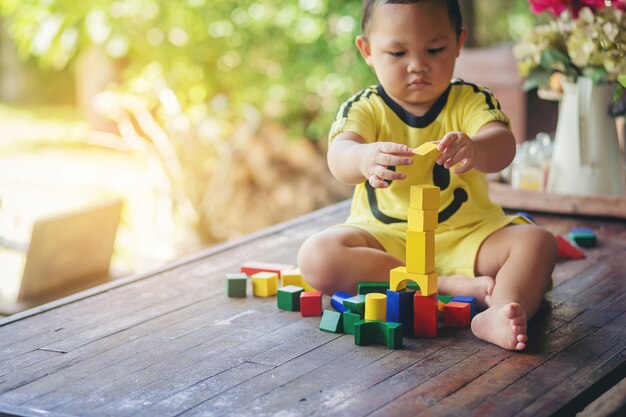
pixel 586 38
pixel 579 58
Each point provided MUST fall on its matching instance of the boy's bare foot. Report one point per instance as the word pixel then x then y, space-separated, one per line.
pixel 479 287
pixel 503 325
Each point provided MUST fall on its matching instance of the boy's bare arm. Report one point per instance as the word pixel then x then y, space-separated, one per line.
pixel 491 150
pixel 352 161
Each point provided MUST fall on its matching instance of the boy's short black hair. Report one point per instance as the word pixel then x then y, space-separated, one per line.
pixel 454 11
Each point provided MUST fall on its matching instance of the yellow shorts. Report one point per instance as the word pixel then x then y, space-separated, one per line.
pixel 455 249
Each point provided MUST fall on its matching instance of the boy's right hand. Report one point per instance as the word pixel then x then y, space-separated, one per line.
pixel 377 157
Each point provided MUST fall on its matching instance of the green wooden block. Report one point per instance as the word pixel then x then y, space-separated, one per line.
pixel 289 297
pixel 236 284
pixel 355 304
pixel 366 287
pixel 584 240
pixel 445 298
pixel 349 320
pixel 331 322
pixel 374 332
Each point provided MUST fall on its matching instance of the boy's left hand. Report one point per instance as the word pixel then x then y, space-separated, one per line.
pixel 457 148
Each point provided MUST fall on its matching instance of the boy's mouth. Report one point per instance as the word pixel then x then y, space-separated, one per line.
pixel 419 83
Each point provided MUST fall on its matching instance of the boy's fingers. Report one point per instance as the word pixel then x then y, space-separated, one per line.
pixel 397 148
pixel 387 174
pixel 377 182
pixel 465 165
pixel 387 160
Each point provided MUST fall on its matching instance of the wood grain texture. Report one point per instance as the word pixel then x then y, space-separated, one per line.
pixel 169 342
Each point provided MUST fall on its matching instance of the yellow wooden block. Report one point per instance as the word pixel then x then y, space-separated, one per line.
pixel 427 149
pixel 422 220
pixel 420 252
pixel 376 306
pixel 399 276
pixel 294 277
pixel 424 197
pixel 264 284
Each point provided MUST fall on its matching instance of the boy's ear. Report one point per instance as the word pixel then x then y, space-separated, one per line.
pixel 461 41
pixel 364 48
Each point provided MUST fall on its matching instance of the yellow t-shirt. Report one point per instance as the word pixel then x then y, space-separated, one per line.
pixel 464 201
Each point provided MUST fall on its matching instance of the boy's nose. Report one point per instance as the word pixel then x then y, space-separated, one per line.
pixel 417 65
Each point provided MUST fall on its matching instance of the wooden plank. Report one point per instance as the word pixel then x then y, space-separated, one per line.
pixel 445 383
pixel 194 364
pixel 600 206
pixel 610 404
pixel 122 359
pixel 504 374
pixel 329 348
pixel 550 373
pixel 325 389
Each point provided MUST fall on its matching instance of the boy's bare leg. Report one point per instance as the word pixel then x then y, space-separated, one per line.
pixel 337 259
pixel 522 258
pixel 479 287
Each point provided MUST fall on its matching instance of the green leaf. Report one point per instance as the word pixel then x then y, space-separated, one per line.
pixel 622 80
pixel 597 74
pixel 537 77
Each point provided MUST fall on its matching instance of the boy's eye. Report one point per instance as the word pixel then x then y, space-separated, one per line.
pixel 435 51
pixel 397 54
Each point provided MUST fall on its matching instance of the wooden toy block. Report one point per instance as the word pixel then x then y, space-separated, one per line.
pixel 469 300
pixel 445 298
pixel 583 236
pixel 251 268
pixel 427 149
pixel 289 297
pixel 400 309
pixel 337 301
pixel 366 287
pixel 310 303
pixel 420 252
pixel 425 315
pixel 331 322
pixel 375 306
pixel 425 197
pixel 526 216
pixel 399 276
pixel 422 220
pixel 294 277
pixel 355 304
pixel 264 284
pixel 236 284
pixel 457 314
pixel 375 332
pixel 349 320
pixel 567 250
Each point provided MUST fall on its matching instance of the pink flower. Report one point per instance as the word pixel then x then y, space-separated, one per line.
pixel 556 7
pixel 619 4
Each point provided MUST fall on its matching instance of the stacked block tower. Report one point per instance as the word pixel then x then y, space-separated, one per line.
pixel 420 259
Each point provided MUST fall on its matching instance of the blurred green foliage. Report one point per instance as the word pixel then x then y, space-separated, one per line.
pixel 293 60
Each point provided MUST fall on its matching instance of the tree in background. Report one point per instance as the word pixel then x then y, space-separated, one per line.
pixel 216 89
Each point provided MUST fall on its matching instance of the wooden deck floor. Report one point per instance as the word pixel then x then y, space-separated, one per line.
pixel 171 343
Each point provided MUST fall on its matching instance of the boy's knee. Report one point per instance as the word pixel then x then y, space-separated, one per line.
pixel 317 260
pixel 542 241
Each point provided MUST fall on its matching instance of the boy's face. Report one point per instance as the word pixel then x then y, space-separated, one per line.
pixel 412 49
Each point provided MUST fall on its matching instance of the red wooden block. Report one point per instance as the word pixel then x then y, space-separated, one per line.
pixel 457 314
pixel 425 315
pixel 251 268
pixel 567 250
pixel 311 304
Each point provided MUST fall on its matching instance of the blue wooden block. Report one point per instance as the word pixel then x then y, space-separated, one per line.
pixel 400 309
pixel 581 230
pixel 526 215
pixel 469 300
pixel 337 301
